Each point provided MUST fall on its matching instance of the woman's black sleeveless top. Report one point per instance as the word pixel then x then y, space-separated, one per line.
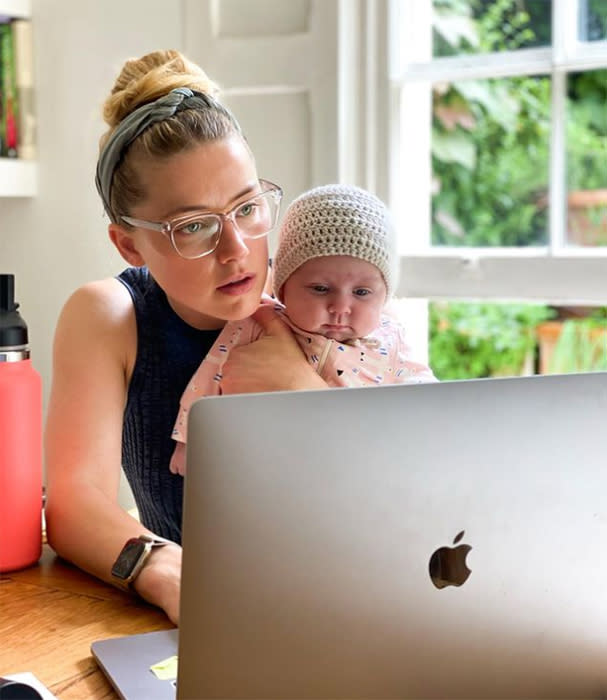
pixel 168 353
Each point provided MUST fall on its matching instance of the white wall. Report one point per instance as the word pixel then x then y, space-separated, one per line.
pixel 56 241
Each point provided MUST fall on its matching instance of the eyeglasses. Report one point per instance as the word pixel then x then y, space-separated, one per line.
pixel 196 234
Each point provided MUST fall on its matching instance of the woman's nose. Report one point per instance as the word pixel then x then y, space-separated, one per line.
pixel 232 245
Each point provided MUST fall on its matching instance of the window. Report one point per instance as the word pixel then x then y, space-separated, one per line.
pixel 498 159
pixel 499 112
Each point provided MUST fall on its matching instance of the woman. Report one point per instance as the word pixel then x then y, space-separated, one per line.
pixel 190 216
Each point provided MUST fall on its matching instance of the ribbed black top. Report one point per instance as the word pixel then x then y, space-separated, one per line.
pixel 168 353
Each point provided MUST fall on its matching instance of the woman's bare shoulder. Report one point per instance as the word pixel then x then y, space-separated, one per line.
pixel 103 299
pixel 97 317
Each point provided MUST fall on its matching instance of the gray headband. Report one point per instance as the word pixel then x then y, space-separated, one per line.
pixel 134 124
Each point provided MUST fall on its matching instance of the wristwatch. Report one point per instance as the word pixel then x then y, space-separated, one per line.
pixel 132 559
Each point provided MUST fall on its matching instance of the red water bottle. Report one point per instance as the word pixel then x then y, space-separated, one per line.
pixel 20 439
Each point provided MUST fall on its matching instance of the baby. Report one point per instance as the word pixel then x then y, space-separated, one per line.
pixel 334 271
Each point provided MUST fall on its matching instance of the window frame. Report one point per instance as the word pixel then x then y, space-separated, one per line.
pixel 555 273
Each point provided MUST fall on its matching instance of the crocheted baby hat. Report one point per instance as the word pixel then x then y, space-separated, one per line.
pixel 336 220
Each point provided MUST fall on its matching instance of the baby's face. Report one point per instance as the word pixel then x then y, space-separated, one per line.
pixel 337 296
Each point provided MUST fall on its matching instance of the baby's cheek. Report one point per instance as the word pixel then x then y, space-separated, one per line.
pixel 368 321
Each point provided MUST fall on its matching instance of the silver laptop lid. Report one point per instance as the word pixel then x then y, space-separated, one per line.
pixel 311 520
pixel 127 662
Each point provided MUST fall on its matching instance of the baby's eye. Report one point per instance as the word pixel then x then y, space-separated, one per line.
pixel 319 288
pixel 362 292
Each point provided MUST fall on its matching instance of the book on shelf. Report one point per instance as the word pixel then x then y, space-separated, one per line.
pixel 3 20
pixel 24 81
pixel 9 91
pixel 17 103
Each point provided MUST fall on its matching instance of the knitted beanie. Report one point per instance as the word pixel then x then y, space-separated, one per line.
pixel 335 220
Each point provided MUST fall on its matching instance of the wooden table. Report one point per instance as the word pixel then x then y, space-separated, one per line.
pixel 49 615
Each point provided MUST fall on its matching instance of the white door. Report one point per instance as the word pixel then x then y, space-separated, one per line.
pixel 276 62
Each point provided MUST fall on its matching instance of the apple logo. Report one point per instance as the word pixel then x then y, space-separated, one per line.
pixel 448 564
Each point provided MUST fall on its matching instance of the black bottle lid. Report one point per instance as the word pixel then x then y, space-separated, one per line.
pixel 13 329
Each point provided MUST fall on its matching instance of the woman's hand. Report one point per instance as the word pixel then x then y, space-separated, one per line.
pixel 275 362
pixel 160 580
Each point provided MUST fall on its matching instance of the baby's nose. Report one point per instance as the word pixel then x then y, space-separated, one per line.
pixel 339 304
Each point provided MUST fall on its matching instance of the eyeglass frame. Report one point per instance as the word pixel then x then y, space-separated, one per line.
pixel 167 228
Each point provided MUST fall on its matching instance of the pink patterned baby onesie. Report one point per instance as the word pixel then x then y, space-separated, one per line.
pixel 384 357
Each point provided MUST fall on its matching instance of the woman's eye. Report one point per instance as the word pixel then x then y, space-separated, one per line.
pixel 198 227
pixel 247 209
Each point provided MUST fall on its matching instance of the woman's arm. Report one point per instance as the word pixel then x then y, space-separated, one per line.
pixel 93 356
pixel 275 362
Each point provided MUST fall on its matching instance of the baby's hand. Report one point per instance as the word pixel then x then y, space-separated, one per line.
pixel 177 463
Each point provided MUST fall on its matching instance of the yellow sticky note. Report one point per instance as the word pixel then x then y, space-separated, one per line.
pixel 165 670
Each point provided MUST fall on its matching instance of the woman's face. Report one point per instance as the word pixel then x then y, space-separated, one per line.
pixel 226 284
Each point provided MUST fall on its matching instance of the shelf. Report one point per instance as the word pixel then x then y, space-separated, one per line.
pixel 16 8
pixel 17 177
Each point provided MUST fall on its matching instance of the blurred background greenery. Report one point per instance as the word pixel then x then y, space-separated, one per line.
pixel 471 340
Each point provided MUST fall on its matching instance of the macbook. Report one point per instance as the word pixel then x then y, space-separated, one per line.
pixel 433 541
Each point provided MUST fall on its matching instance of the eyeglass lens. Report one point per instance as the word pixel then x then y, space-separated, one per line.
pixel 198 233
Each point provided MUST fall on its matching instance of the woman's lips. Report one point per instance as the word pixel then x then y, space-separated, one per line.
pixel 239 285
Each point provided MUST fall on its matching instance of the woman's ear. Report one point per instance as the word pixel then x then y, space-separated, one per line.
pixel 125 245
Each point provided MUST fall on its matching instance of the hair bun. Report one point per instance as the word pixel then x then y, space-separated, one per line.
pixel 145 79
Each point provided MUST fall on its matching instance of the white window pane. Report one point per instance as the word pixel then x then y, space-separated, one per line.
pixel 430 173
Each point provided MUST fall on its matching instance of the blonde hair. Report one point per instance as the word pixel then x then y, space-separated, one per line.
pixel 144 80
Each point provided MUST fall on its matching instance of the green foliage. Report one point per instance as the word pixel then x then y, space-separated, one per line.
pixel 472 26
pixel 582 345
pixel 587 131
pixel 492 193
pixel 453 29
pixel 503 25
pixel 596 23
pixel 469 340
pixel 491 168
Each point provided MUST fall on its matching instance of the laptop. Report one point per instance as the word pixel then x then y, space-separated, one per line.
pixel 130 664
pixel 432 541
